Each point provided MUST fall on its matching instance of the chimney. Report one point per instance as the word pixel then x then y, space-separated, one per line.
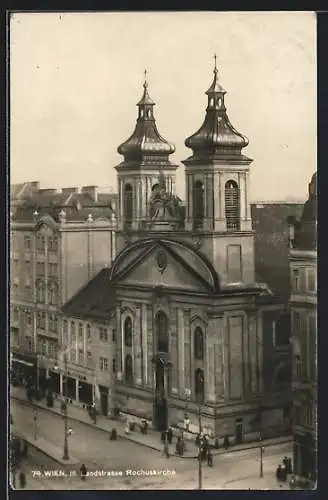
pixel 47 191
pixel 70 190
pixel 91 191
pixel 35 186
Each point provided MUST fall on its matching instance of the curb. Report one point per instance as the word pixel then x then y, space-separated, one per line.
pixel 123 436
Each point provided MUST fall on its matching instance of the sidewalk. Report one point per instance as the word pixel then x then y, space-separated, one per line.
pixel 151 439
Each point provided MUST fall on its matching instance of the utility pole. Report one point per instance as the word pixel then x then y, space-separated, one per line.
pixel 199 450
pixel 65 454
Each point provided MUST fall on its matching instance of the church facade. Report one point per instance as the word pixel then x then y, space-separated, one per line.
pixel 189 313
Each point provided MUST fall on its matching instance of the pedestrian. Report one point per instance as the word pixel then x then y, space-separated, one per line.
pixel 169 435
pixel 289 466
pixel 216 444
pixel 197 440
pixel 186 423
pixel 209 458
pixel 226 443
pixel 83 472
pixel 22 479
pixel 285 461
pixel 178 447
pixel 163 436
pixel 69 431
pixel 113 434
pixel 127 427
pixel 166 450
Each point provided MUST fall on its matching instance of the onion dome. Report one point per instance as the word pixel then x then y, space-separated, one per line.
pixel 306 230
pixel 146 144
pixel 216 137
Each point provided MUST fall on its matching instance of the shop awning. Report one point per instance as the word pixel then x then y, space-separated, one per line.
pixel 26 363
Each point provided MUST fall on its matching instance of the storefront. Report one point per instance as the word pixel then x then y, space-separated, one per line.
pixel 85 392
pixel 23 368
pixel 54 381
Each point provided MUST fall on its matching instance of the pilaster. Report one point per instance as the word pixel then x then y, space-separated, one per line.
pixel 181 352
pixel 137 347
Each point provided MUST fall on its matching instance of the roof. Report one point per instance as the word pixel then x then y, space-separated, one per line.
pixel 95 300
pixel 77 206
pixel 216 137
pixel 146 140
pixel 305 237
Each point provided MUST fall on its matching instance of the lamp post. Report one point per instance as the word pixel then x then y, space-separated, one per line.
pixel 35 418
pixel 260 407
pixel 199 449
pixel 65 453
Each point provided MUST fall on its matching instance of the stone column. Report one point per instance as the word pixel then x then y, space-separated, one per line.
pixel 150 351
pixel 174 353
pixel 252 350
pixel 144 351
pixel 77 390
pixel 119 339
pixel 225 358
pixel 181 354
pixel 245 354
pixel 188 382
pixel 210 364
pixel 137 348
pixel 219 381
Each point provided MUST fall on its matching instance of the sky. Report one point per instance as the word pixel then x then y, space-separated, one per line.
pixel 75 79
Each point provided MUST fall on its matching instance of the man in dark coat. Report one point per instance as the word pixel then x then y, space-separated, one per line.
pixel 169 435
pixel 83 472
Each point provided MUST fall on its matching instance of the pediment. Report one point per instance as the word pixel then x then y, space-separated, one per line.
pixel 163 263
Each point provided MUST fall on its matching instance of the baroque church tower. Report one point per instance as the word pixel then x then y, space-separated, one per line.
pixel 217 192
pixel 146 165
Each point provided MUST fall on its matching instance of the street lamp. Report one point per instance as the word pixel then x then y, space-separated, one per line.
pixel 65 453
pixel 35 417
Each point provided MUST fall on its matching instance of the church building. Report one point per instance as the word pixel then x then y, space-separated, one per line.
pixel 189 312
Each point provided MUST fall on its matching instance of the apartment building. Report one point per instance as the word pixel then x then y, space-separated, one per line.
pixel 59 239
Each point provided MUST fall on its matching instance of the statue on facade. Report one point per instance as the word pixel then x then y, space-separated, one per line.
pixel 163 206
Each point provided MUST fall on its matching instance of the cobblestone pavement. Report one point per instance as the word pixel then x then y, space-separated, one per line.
pixel 237 470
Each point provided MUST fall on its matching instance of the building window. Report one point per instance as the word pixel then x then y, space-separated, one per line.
pixel 128 369
pixel 41 320
pixel 27 267
pixel 52 350
pixel 81 356
pixel 198 204
pixel 73 331
pixel 232 205
pixel 128 204
pixel 114 335
pixel 53 244
pixel 29 344
pixel 41 243
pixel 296 324
pixel 40 269
pixel 89 358
pixel 311 280
pixel 28 318
pixel 312 344
pixel 128 332
pixel 44 348
pixel 53 269
pixel 162 332
pixel 53 323
pixel 296 280
pixel 80 331
pixel 16 314
pixel 298 367
pixel 52 294
pixel 40 292
pixel 199 343
pixel 88 331
pixel 103 364
pixel 199 385
pixel 103 334
pixel 65 326
pixel 27 243
pixel 114 365
pixel 72 355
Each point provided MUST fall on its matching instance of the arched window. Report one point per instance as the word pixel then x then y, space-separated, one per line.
pixel 162 332
pixel 199 343
pixel 198 204
pixel 199 385
pixel 128 332
pixel 128 204
pixel 128 369
pixel 232 205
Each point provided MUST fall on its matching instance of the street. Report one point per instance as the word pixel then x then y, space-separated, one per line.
pixel 92 447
